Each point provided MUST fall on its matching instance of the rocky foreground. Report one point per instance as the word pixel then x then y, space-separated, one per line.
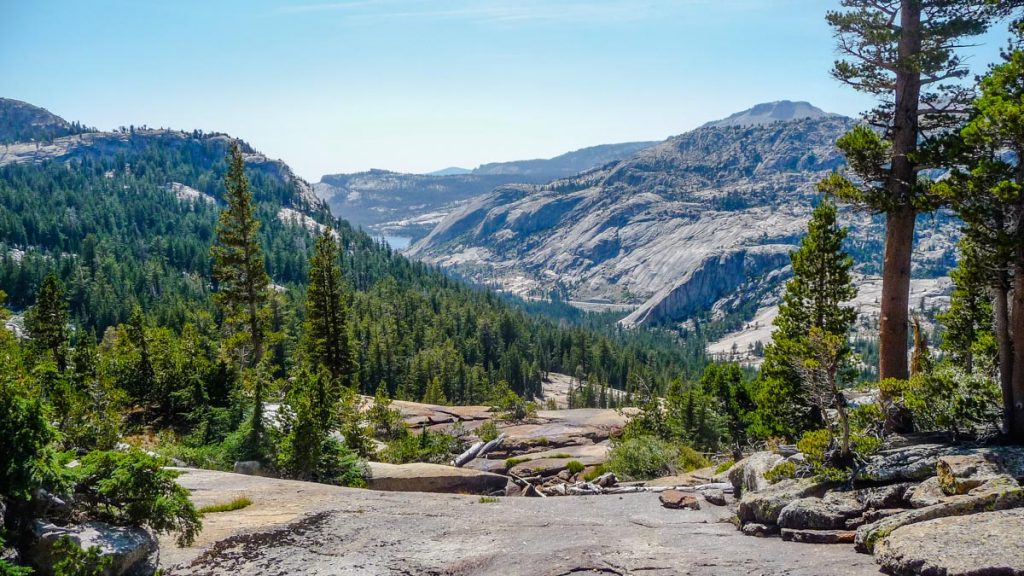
pixel 302 528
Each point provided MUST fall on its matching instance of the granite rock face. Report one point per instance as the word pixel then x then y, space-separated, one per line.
pixel 134 551
pixel 988 543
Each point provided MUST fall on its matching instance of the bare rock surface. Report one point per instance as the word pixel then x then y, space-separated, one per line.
pixel 765 506
pixel 988 543
pixel 133 551
pixel 829 513
pixel 423 477
pixel 301 528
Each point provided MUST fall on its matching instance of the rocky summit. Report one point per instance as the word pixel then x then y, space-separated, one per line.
pixel 702 221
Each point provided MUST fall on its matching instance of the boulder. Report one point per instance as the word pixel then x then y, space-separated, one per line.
pixel 961 473
pixel 747 475
pixel 759 530
pixel 829 513
pixel 134 551
pixel 248 467
pixel 819 536
pixel 1000 493
pixel 680 500
pixel 421 477
pixel 765 506
pixel 984 543
pixel 888 496
pixel 927 493
pixel 715 496
pixel 905 463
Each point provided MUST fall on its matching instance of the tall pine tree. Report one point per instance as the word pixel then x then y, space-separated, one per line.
pixel 47 321
pixel 905 53
pixel 813 298
pixel 238 268
pixel 327 341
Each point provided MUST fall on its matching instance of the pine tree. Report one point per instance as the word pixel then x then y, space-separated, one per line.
pixel 47 321
pixel 238 268
pixel 813 298
pixel 903 52
pixel 327 343
pixel 968 321
pixel 989 196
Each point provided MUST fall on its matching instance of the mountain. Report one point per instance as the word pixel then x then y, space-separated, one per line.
pixel 781 111
pixel 410 205
pixel 450 171
pixel 702 222
pixel 23 122
pixel 127 218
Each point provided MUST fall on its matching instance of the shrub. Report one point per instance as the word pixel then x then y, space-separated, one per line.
pixel 724 466
pixel 236 504
pixel 487 431
pixel 133 489
pixel 574 467
pixel 27 460
pixel 511 462
pixel 74 561
pixel 8 569
pixel 514 408
pixel 642 458
pixel 780 472
pixel 947 399
pixel 427 446
pixel 690 459
pixel 594 472
pixel 487 500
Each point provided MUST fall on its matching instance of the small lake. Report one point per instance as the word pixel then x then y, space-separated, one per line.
pixel 397 242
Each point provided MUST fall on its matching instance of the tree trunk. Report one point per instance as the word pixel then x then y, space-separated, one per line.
pixel 899 232
pixel 1001 327
pixel 1017 321
pixel 895 305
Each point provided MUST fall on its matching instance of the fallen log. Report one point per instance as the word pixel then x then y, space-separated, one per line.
pixel 467 456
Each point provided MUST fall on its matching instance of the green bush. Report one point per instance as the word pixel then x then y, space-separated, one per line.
pixel 8 569
pixel 690 459
pixel 427 446
pixel 72 560
pixel 574 467
pixel 511 462
pixel 780 472
pixel 724 466
pixel 27 460
pixel 595 471
pixel 642 458
pixel 947 399
pixel 487 431
pixel 133 489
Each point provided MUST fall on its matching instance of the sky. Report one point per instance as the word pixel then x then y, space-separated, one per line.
pixel 420 85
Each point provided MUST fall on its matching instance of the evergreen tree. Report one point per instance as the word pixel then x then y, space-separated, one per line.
pixel 327 341
pixel 813 298
pixel 968 321
pixel 905 53
pixel 242 280
pixel 47 321
pixel 989 195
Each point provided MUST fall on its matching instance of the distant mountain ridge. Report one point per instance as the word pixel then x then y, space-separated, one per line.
pixel 24 122
pixel 701 222
pixel 768 112
pixel 409 205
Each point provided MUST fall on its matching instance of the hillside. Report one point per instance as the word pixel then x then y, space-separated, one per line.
pixel 408 206
pixel 127 218
pixel 703 221
pixel 23 122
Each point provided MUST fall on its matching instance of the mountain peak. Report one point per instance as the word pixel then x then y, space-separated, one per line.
pixel 768 112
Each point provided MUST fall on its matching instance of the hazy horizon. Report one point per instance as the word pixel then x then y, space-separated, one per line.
pixel 418 86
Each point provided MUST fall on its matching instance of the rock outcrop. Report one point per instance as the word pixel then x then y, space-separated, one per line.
pixel 132 551
pixel 980 544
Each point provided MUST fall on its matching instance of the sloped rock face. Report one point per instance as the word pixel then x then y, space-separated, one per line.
pixel 1000 493
pixel 420 477
pixel 675 228
pixel 747 475
pixel 134 551
pixel 989 543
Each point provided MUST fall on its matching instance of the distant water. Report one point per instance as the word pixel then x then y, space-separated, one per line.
pixel 398 242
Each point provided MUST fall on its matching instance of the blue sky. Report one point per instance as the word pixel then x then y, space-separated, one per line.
pixel 418 85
